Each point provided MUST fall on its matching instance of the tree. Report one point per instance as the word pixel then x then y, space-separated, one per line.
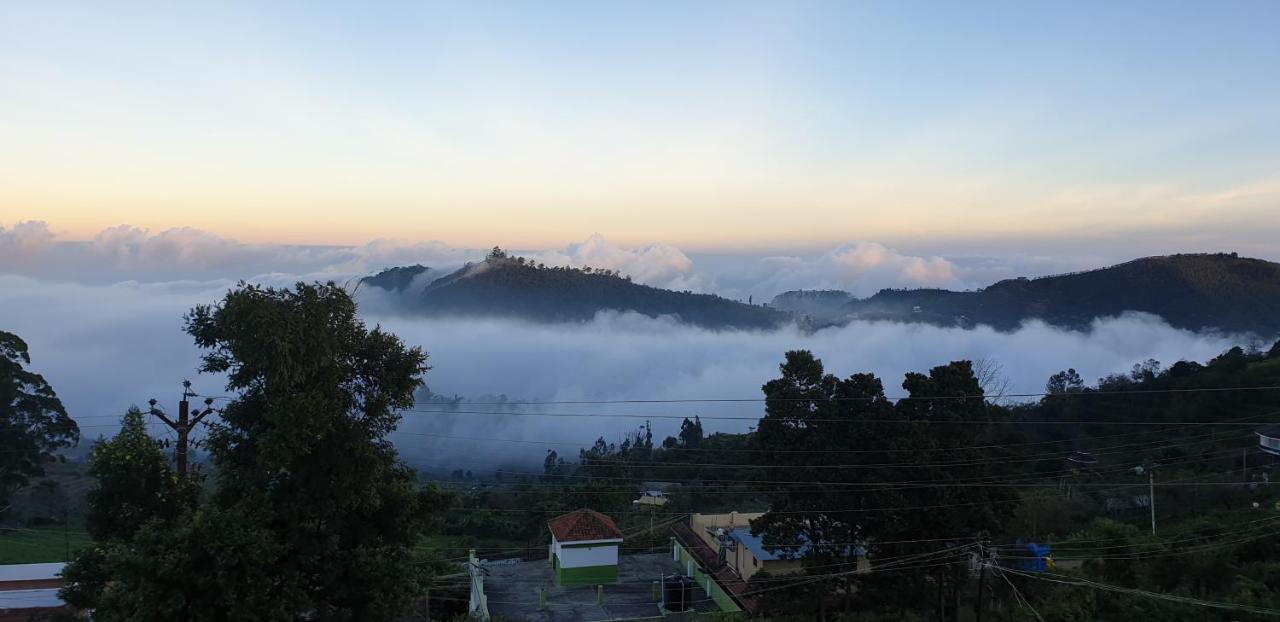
pixel 991 378
pixel 691 433
pixel 832 433
pixel 312 514
pixel 135 489
pixel 814 421
pixel 134 483
pixel 1068 381
pixel 33 422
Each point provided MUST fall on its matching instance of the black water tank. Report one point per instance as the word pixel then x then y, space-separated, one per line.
pixel 677 592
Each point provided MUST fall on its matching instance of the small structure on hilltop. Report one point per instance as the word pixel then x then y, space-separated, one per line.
pixel 584 548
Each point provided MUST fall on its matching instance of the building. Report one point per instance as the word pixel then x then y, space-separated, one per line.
pixel 651 499
pixel 729 537
pixel 30 591
pixel 584 548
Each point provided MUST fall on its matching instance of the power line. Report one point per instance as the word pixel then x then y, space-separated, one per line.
pixel 846 420
pixel 1104 451
pixel 892 398
pixel 1018 595
pixel 1080 582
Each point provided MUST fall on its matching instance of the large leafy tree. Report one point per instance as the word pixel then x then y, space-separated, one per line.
pixel 134 483
pixel 311 513
pixel 829 443
pixel 853 469
pixel 33 423
pixel 135 489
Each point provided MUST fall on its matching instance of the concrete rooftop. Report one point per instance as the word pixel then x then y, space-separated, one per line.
pixel 512 589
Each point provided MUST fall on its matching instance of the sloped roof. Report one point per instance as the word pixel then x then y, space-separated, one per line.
pixel 30 572
pixel 584 524
pixel 755 544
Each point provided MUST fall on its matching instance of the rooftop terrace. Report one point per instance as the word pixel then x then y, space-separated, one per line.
pixel 512 591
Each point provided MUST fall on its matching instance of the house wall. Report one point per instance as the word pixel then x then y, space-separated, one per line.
pixel 703 578
pixel 746 565
pixel 700 523
pixel 590 563
pixel 590 555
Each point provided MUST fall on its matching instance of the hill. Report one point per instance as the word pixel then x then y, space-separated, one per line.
pixel 1195 292
pixel 819 303
pixel 503 286
pixel 395 279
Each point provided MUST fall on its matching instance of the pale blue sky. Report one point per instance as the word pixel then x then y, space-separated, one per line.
pixel 714 126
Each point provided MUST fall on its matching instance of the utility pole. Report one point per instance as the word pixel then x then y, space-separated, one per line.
pixel 186 422
pixel 1151 496
pixel 982 581
pixel 1244 464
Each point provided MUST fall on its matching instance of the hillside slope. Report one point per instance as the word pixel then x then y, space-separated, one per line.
pixel 512 287
pixel 1195 292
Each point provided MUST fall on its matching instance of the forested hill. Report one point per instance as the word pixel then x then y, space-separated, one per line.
pixel 1196 292
pixel 395 279
pixel 503 286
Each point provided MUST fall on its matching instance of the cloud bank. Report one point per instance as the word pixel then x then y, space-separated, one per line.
pixel 106 346
pixel 127 253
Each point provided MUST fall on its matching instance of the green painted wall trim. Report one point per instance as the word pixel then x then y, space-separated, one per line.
pixel 587 575
pixel 700 576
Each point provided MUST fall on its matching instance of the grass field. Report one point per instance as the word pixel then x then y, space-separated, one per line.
pixel 40 544
pixel 456 547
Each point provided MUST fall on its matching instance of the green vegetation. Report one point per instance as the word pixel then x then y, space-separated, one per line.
pixel 932 476
pixel 310 513
pixel 35 423
pixel 1195 292
pixel 38 545
pixel 506 286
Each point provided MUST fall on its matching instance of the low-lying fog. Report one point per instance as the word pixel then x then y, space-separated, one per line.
pixel 106 346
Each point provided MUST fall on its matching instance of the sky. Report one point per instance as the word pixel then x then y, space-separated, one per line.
pixel 1075 129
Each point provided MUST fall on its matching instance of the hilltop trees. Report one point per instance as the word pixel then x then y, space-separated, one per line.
pixel 34 421
pixel 311 513
pixel 851 468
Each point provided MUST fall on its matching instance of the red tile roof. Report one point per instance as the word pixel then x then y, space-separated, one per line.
pixel 584 524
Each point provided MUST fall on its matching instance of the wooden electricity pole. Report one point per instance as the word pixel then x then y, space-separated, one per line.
pixel 187 421
pixel 983 563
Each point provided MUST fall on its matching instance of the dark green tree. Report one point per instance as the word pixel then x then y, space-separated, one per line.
pixel 691 433
pixel 825 431
pixel 312 515
pixel 1067 381
pixel 135 489
pixel 33 423
pixel 134 483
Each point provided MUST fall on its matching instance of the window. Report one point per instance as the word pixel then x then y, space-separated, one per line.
pixel 754 562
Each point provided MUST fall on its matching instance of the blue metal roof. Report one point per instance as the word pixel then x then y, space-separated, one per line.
pixel 755 544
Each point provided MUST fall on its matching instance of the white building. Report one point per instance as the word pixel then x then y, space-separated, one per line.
pixel 584 548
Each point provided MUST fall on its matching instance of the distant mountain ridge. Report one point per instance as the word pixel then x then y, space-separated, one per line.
pixel 502 286
pixel 1195 292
